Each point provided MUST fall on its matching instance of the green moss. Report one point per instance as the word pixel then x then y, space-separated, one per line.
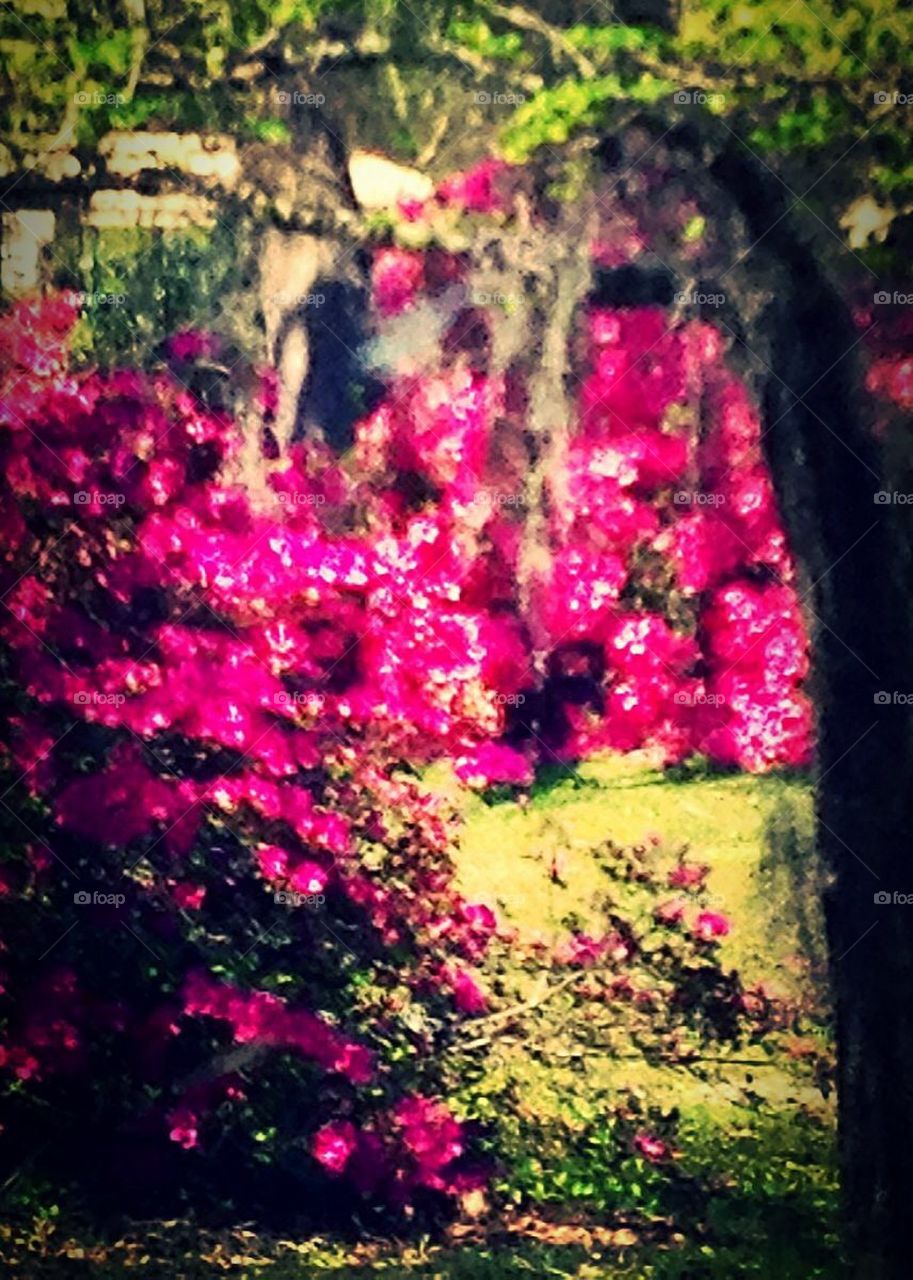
pixel 142 285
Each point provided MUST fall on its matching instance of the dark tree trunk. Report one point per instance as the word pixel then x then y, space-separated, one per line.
pixel 863 649
pixel 855 554
pixel 795 343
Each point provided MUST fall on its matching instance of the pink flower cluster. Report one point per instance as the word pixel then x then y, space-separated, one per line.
pixel 668 605
pixel 264 1018
pixel 888 332
pixel 639 481
pixel 248 674
pixel 417 1144
pixel 214 689
pixel 418 617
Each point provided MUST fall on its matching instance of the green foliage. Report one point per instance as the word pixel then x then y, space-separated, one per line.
pixel 618 39
pixel 828 40
pixel 738 1171
pixel 582 1163
pixel 141 286
pixel 800 80
pixel 271 131
pixel 552 116
pixel 830 61
pixel 72 71
pixel 478 37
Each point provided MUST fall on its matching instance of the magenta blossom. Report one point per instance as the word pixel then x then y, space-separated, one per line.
pixel 710 925
pixel 670 913
pixel 651 1147
pixel 183 1128
pixel 688 875
pixel 468 996
pixel 333 1145
pixel 194 344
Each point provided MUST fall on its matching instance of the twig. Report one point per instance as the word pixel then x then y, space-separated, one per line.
pixel 535 1001
pixel 139 39
pixel 517 16
pixel 429 151
pixel 475 62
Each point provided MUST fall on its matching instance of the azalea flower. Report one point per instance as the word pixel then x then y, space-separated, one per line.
pixel 711 925
pixel 651 1147
pixel 333 1145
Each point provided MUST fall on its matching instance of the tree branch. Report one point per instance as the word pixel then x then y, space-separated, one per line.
pixel 517 16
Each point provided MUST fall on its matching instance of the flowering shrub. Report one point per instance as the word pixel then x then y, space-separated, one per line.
pixel 636 974
pixel 665 601
pixel 228 926
pixel 211 693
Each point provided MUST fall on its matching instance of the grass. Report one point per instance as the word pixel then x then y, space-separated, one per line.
pixel 755 833
pixel 730 822
pixel 762 1139
pixel 504 1260
pixel 741 1125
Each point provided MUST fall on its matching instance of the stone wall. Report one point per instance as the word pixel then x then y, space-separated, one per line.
pixel 163 181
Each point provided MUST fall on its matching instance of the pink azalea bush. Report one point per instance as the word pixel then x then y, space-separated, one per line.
pixel 228 924
pixel 229 929
pixel 667 608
